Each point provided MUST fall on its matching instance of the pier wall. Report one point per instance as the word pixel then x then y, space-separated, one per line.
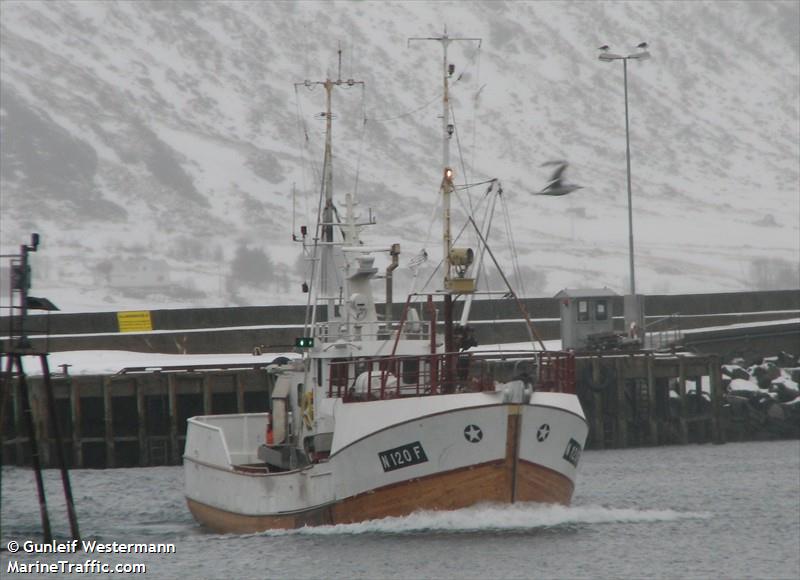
pixel 237 330
pixel 127 420
pixel 641 399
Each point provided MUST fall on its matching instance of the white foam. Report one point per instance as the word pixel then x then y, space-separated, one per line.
pixel 487 517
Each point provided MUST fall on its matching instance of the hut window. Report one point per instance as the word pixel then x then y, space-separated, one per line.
pixel 600 312
pixel 583 310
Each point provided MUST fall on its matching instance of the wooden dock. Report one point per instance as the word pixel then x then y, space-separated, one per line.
pixel 644 399
pixel 128 419
pixel 138 417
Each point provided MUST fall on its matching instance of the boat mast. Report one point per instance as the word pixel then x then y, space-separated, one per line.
pixel 447 134
pixel 327 266
pixel 326 261
pixel 447 186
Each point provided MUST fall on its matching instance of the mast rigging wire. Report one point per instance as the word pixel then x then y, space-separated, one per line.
pixel 476 104
pixel 407 113
pixel 513 246
pixel 360 141
pixel 461 157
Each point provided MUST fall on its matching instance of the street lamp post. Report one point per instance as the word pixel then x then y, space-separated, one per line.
pixel 633 313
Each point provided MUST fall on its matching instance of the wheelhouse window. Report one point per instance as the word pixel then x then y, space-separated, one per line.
pixel 410 371
pixel 583 310
pixel 600 310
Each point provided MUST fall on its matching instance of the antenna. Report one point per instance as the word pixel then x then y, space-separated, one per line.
pixel 294 210
pixel 448 70
pixel 339 71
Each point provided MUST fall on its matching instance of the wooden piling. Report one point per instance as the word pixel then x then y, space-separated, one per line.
pixel 651 398
pixel 621 430
pixel 715 380
pixel 599 440
pixel 683 428
pixel 699 416
pixel 206 386
pixel 141 411
pixel 109 422
pixel 41 417
pixel 75 412
pixel 174 452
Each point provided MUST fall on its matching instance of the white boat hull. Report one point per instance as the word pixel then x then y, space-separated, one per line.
pixel 391 458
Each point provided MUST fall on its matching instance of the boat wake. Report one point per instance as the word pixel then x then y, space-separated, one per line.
pixel 496 518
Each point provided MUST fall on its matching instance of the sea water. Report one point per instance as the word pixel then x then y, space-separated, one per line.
pixel 707 511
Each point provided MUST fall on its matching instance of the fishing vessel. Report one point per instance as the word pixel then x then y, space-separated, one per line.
pixel 386 415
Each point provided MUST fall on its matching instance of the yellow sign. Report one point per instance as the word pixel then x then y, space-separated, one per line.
pixel 134 321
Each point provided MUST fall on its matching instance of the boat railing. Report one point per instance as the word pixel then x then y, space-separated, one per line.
pixel 229 439
pixel 330 332
pixel 388 377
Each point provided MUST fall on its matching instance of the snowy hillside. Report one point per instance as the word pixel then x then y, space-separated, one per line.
pixel 165 138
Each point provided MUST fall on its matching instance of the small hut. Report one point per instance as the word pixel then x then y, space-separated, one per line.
pixel 586 316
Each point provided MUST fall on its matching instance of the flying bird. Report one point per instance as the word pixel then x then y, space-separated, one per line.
pixel 643 45
pixel 557 185
pixel 603 48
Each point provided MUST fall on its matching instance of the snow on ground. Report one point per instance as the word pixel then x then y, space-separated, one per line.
pixel 742 385
pixel 109 362
pixel 742 325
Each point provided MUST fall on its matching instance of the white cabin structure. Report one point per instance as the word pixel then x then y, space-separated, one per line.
pixel 585 313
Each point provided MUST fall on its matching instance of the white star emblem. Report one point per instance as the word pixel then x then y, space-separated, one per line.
pixel 473 433
pixel 543 432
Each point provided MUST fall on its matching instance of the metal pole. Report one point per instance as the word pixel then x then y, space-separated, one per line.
pixel 327 215
pixel 628 158
pixel 445 105
pixel 51 403
pixel 23 313
pixel 446 190
pixel 37 466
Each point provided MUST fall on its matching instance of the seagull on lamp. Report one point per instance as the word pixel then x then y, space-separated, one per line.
pixel 557 185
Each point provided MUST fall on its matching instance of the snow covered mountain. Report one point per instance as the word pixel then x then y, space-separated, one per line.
pixel 155 145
